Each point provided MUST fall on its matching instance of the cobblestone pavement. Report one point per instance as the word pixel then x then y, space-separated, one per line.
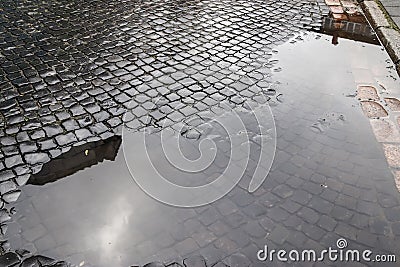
pixel 329 180
pixel 69 69
pixel 393 8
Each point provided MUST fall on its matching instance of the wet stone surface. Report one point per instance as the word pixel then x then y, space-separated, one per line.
pixel 393 103
pixel 373 109
pixel 367 93
pixel 324 184
pixel 19 259
pixel 72 76
pixel 70 70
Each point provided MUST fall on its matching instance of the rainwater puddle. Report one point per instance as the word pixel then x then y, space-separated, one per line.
pixel 100 216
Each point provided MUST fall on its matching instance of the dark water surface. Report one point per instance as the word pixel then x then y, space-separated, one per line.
pixel 329 179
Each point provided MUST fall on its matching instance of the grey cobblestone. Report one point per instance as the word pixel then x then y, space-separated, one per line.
pixel 78 77
pixel 393 8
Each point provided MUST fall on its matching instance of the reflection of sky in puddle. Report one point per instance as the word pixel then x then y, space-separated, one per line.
pixel 99 210
pixel 186 171
pixel 100 216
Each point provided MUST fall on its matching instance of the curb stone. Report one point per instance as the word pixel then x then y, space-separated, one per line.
pixel 385 28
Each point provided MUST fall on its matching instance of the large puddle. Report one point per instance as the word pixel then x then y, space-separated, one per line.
pixel 100 215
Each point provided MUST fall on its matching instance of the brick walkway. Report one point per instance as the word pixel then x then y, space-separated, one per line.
pixel 393 8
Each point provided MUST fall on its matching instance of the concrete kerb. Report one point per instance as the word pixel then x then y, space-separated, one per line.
pixel 386 29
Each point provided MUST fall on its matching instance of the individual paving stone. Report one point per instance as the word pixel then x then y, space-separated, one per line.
pixel 209 216
pixel 336 9
pixel 27 147
pixel 345 201
pixel 165 240
pixel 70 125
pixel 387 201
pixel 52 130
pixel 367 93
pixel 6 175
pixel 255 210
pixel 313 231
pixel 226 245
pixel 38 134
pixel 291 206
pixel 195 261
pixel 332 2
pixel 66 139
pixel 9 259
pixel 204 238
pixel 7 186
pixel 34 233
pixel 393 103
pixel 368 208
pixel 235 219
pixel 36 158
pixel 98 128
pixel 237 260
pixel 341 214
pixel 327 223
pixel 293 221
pixel 301 197
pixel 4 216
pixel 39 261
pixel 242 199
pixel 83 134
pixel 308 215
pixel 392 214
pixel 283 191
pixel 13 161
pixel 22 179
pixel 47 144
pixel 10 151
pixel 11 196
pixel 277 214
pixel 240 237
pixel 320 205
pixel 226 207
pixel 7 140
pixel 346 231
pixel 379 226
pixel 62 115
pixel 373 109
pixel 385 130
pixel 392 153
pixel 279 235
pixel 254 229
pixel 21 170
pixel 173 264
pixel 219 228
pixel 396 228
pixel 186 246
pixel 22 136
pixel 366 238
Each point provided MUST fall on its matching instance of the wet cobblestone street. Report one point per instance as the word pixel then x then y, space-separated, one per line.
pixel 73 72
